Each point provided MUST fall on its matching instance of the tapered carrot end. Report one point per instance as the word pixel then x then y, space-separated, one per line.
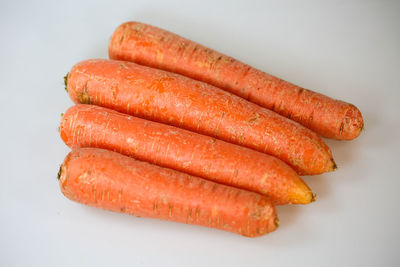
pixel 314 197
pixel 276 222
pixel 331 166
pixel 304 198
pixel 334 166
pixel 301 193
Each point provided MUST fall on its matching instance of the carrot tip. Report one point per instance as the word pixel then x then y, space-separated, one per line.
pixel 334 166
pixel 66 82
pixel 276 222
pixel 314 197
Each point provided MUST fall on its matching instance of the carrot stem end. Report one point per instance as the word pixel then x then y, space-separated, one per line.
pixel 66 82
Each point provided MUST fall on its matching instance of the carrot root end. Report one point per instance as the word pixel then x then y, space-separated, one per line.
pixel 313 198
pixel 66 82
pixel 59 172
pixel 276 222
pixel 334 165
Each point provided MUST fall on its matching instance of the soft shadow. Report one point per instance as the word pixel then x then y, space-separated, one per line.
pixel 321 185
pixel 287 215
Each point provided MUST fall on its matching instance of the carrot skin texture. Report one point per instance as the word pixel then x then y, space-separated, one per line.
pixel 193 105
pixel 185 151
pixel 111 181
pixel 155 47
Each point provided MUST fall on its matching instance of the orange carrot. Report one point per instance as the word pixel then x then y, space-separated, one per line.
pixel 111 181
pixel 155 47
pixel 176 100
pixel 195 154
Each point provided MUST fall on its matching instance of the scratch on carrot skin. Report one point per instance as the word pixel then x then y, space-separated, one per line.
pixel 77 136
pixel 102 195
pixel 151 114
pixel 190 161
pixel 167 150
pixel 214 212
pixel 189 214
pixel 84 134
pixel 209 168
pixel 94 191
pixel 235 174
pixel 207 125
pixel 266 148
pixel 181 121
pixel 155 205
pixel 170 210
pixel 197 213
pixel 136 147
pixel 310 119
pixel 158 147
pixel 164 200
pixel 105 128
pixel 241 138
pixel 128 108
pixel 198 123
pixel 73 125
pixel 230 194
pixel 120 195
pixel 255 119
pixel 155 113
pixel 160 57
pixel 237 194
pixel 70 123
pixel 86 177
pixel 122 65
pixel 152 145
pixel 260 230
pixel 219 122
pixel 214 187
pixel 90 138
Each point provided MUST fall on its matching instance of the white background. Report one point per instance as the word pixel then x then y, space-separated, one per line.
pixel 345 49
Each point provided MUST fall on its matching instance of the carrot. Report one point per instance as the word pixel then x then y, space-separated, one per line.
pixel 155 47
pixel 177 100
pixel 111 181
pixel 171 147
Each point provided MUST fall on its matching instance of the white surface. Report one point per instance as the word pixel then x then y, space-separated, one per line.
pixel 345 49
